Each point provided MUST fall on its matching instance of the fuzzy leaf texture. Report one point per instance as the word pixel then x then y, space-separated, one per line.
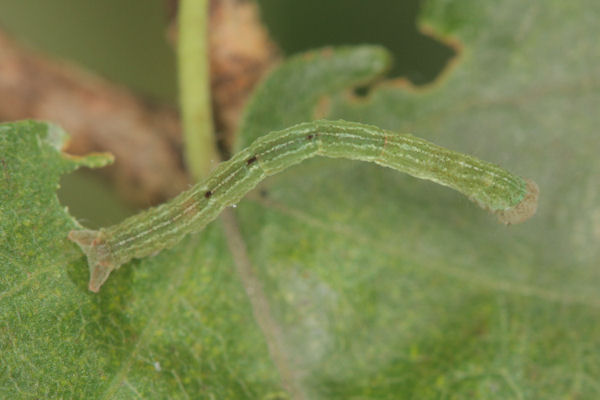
pixel 371 284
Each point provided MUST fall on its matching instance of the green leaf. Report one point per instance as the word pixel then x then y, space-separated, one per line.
pixel 170 325
pixel 306 82
pixel 340 279
pixel 387 286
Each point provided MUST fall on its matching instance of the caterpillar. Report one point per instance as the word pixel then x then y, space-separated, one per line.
pixel 512 198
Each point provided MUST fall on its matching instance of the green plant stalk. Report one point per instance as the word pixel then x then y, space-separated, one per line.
pixel 194 88
pixel 512 198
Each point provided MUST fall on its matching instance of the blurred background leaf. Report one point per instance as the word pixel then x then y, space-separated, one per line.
pixel 127 43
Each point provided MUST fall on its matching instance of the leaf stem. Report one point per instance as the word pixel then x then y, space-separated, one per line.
pixel 194 88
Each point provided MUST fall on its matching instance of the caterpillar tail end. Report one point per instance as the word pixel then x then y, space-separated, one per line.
pixel 525 209
pixel 99 258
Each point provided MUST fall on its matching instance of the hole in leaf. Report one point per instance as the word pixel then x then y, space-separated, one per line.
pixel 91 199
pixel 302 25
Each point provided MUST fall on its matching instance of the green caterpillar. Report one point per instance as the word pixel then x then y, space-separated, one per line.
pixel 512 198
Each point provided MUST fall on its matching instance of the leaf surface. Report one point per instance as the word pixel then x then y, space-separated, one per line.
pixel 175 325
